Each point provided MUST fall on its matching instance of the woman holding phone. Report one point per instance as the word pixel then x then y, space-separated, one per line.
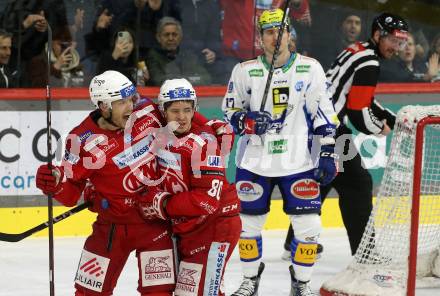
pixel 121 57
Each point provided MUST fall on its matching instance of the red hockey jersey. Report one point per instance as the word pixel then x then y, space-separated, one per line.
pixel 193 170
pixel 117 163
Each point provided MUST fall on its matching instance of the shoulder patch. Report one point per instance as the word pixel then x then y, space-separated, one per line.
pixel 256 73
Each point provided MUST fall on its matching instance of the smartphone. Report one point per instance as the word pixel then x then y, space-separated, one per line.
pixel 65 45
pixel 123 36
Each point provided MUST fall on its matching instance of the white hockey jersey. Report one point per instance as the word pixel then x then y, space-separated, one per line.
pixel 298 101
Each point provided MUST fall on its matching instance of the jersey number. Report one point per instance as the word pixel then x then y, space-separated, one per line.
pixel 216 189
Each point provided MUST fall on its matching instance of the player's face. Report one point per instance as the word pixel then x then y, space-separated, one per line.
pixel 389 45
pixel 121 111
pixel 182 112
pixel 269 40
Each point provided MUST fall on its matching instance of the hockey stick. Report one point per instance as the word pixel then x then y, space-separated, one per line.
pixel 275 55
pixel 16 237
pixel 49 162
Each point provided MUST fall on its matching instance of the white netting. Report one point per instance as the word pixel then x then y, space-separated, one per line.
pixel 380 264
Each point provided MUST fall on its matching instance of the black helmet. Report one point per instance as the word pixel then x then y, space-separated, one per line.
pixel 388 23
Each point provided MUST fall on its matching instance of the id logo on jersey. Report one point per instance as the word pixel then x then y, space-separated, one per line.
pixel 280 97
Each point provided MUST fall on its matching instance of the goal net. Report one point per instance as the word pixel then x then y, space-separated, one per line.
pixel 404 226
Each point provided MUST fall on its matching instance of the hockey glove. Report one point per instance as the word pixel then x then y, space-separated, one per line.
pixel 327 166
pixel 224 134
pixel 49 180
pixel 252 122
pixel 152 203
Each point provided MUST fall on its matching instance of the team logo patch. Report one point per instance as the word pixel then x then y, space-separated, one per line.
pixel 248 191
pixel 188 280
pixel 299 86
pixel 305 189
pixel 157 268
pixel 91 271
pixel 138 177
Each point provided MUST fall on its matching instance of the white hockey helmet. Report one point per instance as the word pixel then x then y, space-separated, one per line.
pixel 178 89
pixel 110 86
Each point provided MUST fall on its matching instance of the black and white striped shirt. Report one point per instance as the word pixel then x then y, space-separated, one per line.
pixel 353 77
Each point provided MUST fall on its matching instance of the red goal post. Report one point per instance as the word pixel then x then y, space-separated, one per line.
pixel 402 239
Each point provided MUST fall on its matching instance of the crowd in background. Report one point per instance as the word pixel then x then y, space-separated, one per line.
pixel 153 40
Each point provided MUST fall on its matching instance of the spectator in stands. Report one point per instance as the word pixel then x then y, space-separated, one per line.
pixel 28 21
pixel 8 77
pixel 202 19
pixel 65 68
pixel 169 61
pixel 349 32
pixel 301 18
pixel 121 55
pixel 434 57
pixel 141 16
pixel 407 67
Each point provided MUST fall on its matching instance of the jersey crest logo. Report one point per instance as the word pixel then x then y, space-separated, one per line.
pixel 299 86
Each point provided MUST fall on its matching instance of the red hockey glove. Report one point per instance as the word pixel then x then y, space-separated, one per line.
pixel 224 133
pixel 152 204
pixel 49 180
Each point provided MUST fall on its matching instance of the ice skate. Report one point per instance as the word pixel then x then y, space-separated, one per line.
pixel 249 286
pixel 299 288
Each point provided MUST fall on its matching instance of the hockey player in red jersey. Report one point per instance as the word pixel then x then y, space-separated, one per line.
pixel 100 152
pixel 202 205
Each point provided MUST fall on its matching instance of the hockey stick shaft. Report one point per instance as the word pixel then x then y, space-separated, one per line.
pixel 49 162
pixel 16 237
pixel 275 55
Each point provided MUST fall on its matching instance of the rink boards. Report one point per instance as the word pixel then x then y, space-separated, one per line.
pixel 17 220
